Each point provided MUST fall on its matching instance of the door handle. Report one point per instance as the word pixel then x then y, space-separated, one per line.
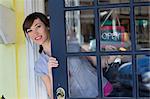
pixel 60 93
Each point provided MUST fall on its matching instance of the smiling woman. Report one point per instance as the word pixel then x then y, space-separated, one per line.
pixel 36 88
pixel 36 28
pixel 38 32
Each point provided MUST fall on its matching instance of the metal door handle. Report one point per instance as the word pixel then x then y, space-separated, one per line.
pixel 60 93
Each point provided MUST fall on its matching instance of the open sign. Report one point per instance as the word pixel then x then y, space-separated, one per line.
pixel 112 35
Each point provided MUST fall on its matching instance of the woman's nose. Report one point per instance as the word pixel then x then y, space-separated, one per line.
pixel 35 31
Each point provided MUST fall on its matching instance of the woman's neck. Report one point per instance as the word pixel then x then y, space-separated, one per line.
pixel 47 47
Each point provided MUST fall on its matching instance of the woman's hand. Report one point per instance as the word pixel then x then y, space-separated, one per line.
pixel 110 48
pixel 52 62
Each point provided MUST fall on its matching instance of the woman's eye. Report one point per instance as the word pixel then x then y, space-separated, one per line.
pixel 28 31
pixel 39 26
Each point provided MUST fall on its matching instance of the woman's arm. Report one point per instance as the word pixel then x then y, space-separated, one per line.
pixel 105 59
pixel 48 84
pixel 48 79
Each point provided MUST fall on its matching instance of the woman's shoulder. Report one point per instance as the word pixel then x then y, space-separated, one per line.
pixel 41 64
pixel 41 58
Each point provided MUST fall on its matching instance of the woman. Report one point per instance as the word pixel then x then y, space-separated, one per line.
pixel 36 28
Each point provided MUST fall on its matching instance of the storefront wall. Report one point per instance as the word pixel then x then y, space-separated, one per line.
pixel 13 72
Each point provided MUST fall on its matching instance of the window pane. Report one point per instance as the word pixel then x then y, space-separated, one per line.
pixel 115 29
pixel 80 31
pixel 143 68
pixel 113 1
pixel 72 3
pixel 142 26
pixel 117 71
pixel 82 77
pixel 141 0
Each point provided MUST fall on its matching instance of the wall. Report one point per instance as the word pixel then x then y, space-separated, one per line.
pixel 8 82
pixel 13 66
pixel 7 3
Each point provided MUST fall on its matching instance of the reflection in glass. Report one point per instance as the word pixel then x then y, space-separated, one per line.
pixel 80 30
pixel 143 68
pixel 141 0
pixel 113 1
pixel 115 29
pixel 142 19
pixel 82 77
pixel 72 3
pixel 117 70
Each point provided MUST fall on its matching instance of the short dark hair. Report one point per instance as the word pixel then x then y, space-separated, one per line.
pixel 31 17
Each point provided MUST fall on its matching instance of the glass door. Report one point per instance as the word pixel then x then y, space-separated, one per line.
pixel 103 48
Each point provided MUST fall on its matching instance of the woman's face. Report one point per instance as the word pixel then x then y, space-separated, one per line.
pixel 38 32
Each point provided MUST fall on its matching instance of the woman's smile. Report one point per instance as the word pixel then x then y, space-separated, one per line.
pixel 38 37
